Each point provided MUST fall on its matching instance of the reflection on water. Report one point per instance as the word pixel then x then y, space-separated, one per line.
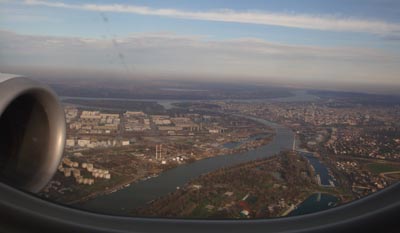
pixel 321 170
pixel 314 203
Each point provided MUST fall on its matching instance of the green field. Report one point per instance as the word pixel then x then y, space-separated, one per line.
pixel 382 167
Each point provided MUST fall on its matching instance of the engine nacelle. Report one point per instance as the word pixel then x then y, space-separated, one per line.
pixel 32 133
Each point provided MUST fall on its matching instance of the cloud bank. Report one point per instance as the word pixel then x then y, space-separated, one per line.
pixel 188 56
pixel 303 21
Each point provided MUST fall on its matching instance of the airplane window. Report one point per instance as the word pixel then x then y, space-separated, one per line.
pixel 207 109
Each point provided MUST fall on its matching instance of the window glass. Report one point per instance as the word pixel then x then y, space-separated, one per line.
pixel 215 109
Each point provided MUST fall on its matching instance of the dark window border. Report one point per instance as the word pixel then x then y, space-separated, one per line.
pixel 23 212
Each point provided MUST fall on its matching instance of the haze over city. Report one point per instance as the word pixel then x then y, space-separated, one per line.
pixel 345 45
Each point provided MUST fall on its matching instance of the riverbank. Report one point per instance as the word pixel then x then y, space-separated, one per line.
pixel 314 203
pixel 250 145
pixel 123 201
pixel 103 192
pixel 257 189
pixel 291 208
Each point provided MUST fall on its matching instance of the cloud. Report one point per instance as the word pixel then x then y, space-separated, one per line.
pixel 304 21
pixel 9 13
pixel 166 41
pixel 160 54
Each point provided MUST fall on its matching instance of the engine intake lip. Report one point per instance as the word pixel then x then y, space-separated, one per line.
pixel 32 133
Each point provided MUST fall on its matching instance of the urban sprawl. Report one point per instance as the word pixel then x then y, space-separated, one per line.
pixel 108 150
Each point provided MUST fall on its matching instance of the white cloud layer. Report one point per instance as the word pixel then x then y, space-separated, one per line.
pixel 167 54
pixel 304 21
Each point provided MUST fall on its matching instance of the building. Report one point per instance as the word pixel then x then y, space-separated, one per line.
pixel 70 143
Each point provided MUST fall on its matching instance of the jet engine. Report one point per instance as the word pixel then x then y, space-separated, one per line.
pixel 32 133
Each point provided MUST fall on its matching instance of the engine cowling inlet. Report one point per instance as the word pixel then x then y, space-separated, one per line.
pixel 32 133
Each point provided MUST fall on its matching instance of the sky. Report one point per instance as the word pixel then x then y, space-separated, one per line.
pixel 345 44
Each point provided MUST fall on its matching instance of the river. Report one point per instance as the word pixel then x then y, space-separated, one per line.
pixel 124 201
pixel 314 203
pixel 138 194
pixel 325 178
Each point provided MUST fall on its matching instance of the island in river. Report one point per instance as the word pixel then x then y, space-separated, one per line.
pixel 263 188
pixel 277 178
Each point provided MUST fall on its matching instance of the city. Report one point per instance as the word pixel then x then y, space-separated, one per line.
pixel 132 146
pixel 344 152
